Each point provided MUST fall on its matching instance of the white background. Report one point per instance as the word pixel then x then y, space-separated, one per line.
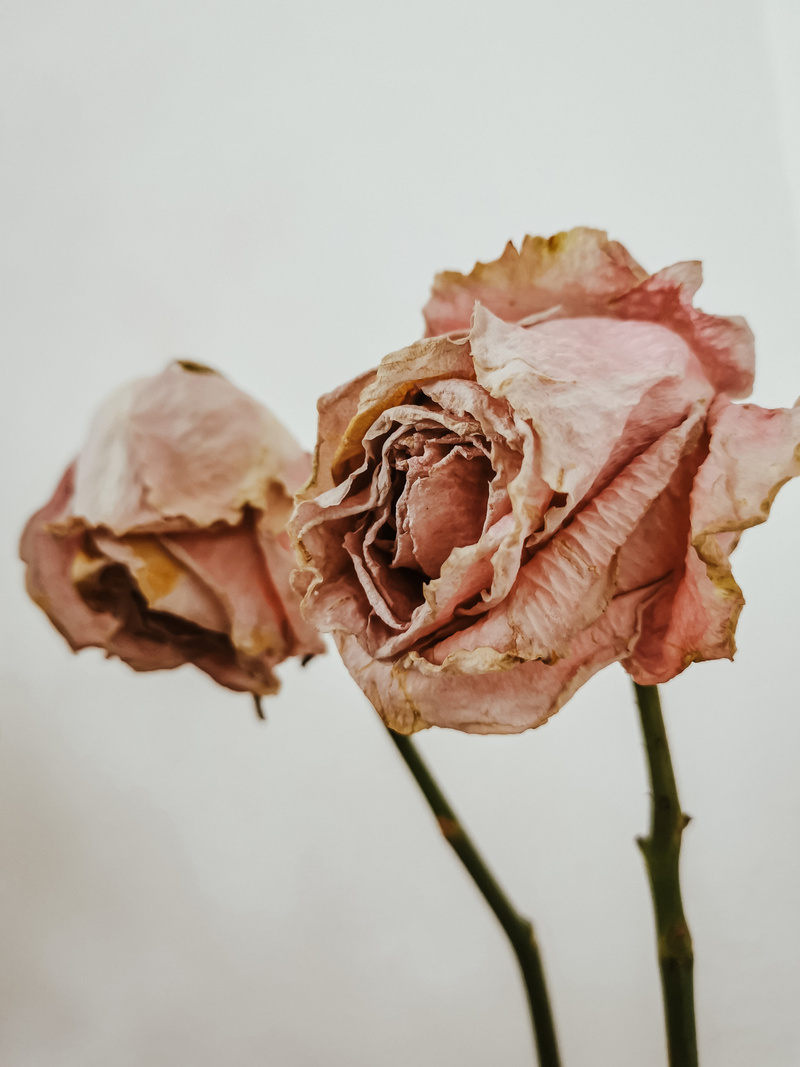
pixel 269 188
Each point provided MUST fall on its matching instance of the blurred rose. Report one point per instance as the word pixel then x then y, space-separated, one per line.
pixel 165 541
pixel 550 482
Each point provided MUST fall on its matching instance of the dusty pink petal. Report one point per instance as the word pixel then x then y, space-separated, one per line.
pixel 654 415
pixel 143 652
pixel 399 586
pixel 581 273
pixel 467 575
pixel 397 377
pixel 335 410
pixel 56 561
pixel 243 674
pixel 466 399
pixel 337 582
pixel 487 569
pixel 338 585
pixel 165 584
pixel 656 550
pixel 410 694
pixel 50 558
pixel 186 446
pixel 188 621
pixel 691 619
pixel 230 564
pixel 580 270
pixel 157 639
pixel 375 592
pixel 330 530
pixel 484 570
pixel 724 346
pixel 281 562
pixel 320 527
pixel 580 383
pixel 570 581
pixel 685 614
pixel 516 487
pixel 330 591
pixel 753 451
pixel 447 508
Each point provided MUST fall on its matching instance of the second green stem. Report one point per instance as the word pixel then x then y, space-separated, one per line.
pixel 661 849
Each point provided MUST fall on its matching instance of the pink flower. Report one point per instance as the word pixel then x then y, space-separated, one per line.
pixel 165 541
pixel 550 482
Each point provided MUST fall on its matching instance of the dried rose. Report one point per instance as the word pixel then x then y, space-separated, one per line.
pixel 551 482
pixel 165 542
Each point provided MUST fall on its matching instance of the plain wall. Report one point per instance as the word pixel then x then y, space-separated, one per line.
pixel 270 188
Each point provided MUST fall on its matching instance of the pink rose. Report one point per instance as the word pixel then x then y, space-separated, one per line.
pixel 165 541
pixel 552 481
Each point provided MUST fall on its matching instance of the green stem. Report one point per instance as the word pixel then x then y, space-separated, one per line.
pixel 518 929
pixel 661 849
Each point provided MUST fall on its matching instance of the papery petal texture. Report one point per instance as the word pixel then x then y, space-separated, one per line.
pixel 165 542
pixel 551 481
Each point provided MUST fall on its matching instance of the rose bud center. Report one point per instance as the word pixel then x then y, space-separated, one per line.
pixel 441 494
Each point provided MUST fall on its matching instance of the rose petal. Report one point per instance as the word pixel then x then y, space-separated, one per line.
pixel 232 567
pixel 398 376
pixel 164 583
pixel 185 445
pixel 753 451
pixel 240 673
pixel 580 270
pixel 447 508
pixel 724 346
pixel 409 694
pixel 569 582
pixel 580 383
pixel 50 558
pixel 335 410
pixel 281 562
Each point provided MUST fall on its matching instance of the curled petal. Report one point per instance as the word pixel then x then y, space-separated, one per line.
pixel 398 376
pixel 571 580
pixel 753 451
pixel 409 694
pixel 185 445
pixel 581 273
pixel 50 559
pixel 579 270
pixel 335 410
pixel 304 639
pixel 580 383
pixel 724 346
pixel 231 566
pixel 693 618
pixel 163 581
